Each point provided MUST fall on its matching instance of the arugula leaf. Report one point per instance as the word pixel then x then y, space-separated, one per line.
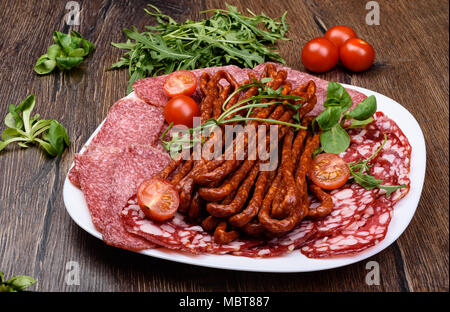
pixel 23 129
pixel 391 188
pixel 156 44
pixel 359 172
pixel 68 51
pixel 370 182
pixel 367 181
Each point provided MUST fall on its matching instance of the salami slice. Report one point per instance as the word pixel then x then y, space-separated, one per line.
pixel 393 164
pixel 136 164
pixel 357 236
pixel 279 246
pixel 73 176
pixel 129 121
pixel 108 176
pixel 177 233
pixel 349 203
pixel 94 177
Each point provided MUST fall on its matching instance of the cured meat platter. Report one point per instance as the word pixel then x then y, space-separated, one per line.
pixel 294 261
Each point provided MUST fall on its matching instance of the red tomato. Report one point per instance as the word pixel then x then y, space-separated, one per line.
pixel 181 82
pixel 339 34
pixel 181 110
pixel 158 199
pixel 320 55
pixel 357 55
pixel 329 171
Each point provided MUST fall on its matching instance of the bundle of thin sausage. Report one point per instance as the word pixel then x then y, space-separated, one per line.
pixel 229 205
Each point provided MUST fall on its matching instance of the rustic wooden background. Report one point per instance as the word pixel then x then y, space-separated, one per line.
pixel 37 236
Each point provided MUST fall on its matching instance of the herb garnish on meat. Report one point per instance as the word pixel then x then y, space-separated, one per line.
pixel 359 171
pixel 334 137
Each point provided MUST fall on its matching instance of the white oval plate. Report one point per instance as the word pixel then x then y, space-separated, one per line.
pixel 295 261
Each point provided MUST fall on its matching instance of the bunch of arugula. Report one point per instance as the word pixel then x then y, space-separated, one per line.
pixel 227 37
pixel 68 51
pixel 334 137
pixel 15 283
pixel 24 129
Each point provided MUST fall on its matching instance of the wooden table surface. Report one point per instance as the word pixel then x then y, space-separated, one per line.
pixel 38 237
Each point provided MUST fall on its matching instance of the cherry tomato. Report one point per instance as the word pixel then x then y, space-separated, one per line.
pixel 158 199
pixel 181 82
pixel 329 171
pixel 357 55
pixel 181 110
pixel 339 34
pixel 320 55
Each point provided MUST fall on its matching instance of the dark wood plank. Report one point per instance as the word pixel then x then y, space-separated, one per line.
pixel 37 236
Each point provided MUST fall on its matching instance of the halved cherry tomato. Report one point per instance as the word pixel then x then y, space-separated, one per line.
pixel 357 55
pixel 181 110
pixel 339 34
pixel 181 82
pixel 329 171
pixel 320 55
pixel 158 199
